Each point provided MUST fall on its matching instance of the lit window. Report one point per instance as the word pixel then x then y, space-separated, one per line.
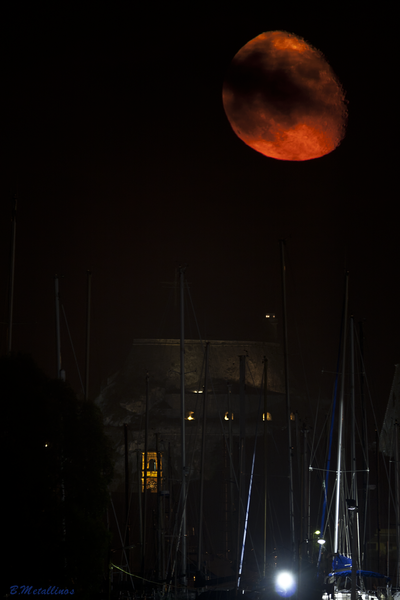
pixel 152 471
pixel 292 416
pixel 269 418
pixel 226 417
pixel 189 416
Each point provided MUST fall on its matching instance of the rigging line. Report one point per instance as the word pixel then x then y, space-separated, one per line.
pixel 73 349
pixel 294 286
pixel 142 578
pixel 275 521
pixel 332 418
pixel 341 470
pixel 321 435
pixel 378 434
pixel 388 524
pixel 365 456
pixel 194 313
pixel 313 456
pixel 365 438
pixel 248 500
pixel 249 368
pixel 241 505
pixel 312 451
pixel 167 307
pixel 224 436
pixel 369 393
pixel 175 535
pixel 366 508
pixel 183 501
pixel 120 537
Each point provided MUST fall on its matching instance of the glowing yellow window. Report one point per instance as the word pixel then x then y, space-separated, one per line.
pixel 152 471
pixel 269 418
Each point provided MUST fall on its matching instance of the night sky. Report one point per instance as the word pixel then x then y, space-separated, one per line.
pixel 124 163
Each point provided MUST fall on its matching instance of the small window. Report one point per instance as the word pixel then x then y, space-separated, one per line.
pixel 152 471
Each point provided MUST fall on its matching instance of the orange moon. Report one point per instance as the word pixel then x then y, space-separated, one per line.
pixel 283 99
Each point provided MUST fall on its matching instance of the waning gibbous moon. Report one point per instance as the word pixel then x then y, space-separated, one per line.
pixel 283 99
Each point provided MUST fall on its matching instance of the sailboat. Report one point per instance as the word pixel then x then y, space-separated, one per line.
pixel 346 579
pixel 389 446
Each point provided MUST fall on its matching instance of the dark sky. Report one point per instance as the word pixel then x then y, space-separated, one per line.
pixel 124 163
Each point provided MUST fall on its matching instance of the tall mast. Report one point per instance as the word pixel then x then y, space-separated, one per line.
pixel 265 464
pixel 242 432
pixel 203 447
pixel 58 338
pixel 353 488
pixel 353 414
pixel 89 293
pixel 146 443
pixel 183 439
pixel 397 479
pixel 286 365
pixel 12 270
pixel 340 433
pixel 127 527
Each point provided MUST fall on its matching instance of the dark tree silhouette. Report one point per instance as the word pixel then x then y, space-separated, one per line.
pixel 57 464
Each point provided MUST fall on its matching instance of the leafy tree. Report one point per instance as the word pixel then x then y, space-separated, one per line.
pixel 56 467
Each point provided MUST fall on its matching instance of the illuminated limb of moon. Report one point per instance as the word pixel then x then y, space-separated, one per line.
pixel 282 98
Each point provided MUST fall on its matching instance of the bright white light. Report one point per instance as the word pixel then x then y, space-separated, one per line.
pixel 321 541
pixel 285 584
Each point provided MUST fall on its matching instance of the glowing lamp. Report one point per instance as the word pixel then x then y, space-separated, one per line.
pixel 285 584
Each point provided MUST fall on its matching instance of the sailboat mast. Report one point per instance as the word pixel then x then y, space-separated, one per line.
pixel 145 471
pixel 12 270
pixel 353 488
pixel 203 448
pixel 58 338
pixel 265 463
pixel 353 415
pixel 341 416
pixel 89 294
pixel 397 479
pixel 183 439
pixel 291 498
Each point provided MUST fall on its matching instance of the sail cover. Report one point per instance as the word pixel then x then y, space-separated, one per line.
pixel 341 562
pixel 361 573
